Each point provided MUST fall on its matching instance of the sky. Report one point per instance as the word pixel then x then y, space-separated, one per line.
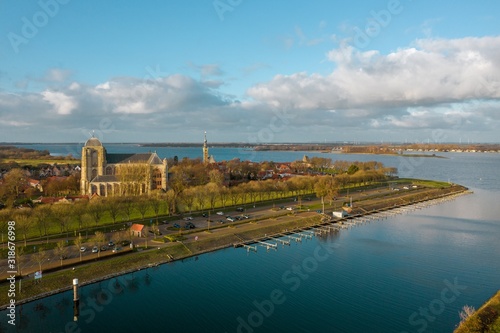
pixel 250 71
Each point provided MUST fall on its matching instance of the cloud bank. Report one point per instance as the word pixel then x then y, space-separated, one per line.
pixel 451 85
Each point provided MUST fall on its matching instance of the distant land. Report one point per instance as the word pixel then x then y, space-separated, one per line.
pixel 336 147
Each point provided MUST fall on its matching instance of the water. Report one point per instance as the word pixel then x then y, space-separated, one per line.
pixel 376 277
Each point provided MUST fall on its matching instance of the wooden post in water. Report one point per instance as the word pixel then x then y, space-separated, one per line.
pixel 76 300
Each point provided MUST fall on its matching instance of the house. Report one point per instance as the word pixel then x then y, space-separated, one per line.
pixel 137 229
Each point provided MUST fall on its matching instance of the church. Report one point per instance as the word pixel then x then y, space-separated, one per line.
pixel 107 174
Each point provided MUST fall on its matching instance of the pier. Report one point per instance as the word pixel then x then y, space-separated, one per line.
pixel 332 224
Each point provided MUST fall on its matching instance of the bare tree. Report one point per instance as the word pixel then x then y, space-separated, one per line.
pixel 98 240
pixel 61 250
pixel 39 257
pixel 78 243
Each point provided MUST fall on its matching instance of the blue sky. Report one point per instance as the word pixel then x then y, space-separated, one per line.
pixel 249 71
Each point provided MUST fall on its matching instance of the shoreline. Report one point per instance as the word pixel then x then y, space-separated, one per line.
pixel 253 231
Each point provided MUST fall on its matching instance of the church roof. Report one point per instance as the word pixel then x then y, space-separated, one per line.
pixel 150 158
pixel 93 142
pixel 105 179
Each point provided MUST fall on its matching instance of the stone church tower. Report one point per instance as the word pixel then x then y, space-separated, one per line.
pixel 206 157
pixel 93 162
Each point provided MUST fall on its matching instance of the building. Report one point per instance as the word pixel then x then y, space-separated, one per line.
pixel 137 230
pixel 120 174
pixel 206 157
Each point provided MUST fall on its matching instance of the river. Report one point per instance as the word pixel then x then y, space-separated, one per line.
pixel 408 273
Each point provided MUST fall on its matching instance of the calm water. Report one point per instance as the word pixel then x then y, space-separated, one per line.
pixel 408 273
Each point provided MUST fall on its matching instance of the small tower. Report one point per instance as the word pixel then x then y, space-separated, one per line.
pixel 205 150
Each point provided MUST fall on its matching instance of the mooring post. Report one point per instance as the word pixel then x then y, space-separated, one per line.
pixel 76 300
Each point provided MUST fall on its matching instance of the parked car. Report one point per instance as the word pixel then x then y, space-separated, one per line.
pixel 190 225
pixel 204 215
pixel 289 208
pixel 104 248
pixel 95 249
pixel 176 225
pixel 116 249
pixel 240 209
pixel 220 213
pixel 246 216
pixel 229 218
pixel 188 218
pixel 125 243
pixel 111 244
pixel 83 249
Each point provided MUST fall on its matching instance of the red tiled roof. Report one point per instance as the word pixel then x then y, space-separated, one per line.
pixel 137 227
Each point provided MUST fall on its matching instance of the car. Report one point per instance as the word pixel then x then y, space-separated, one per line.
pixel 220 221
pixel 246 216
pixel 83 249
pixel 116 249
pixel 125 243
pixel 104 248
pixel 289 208
pixel 188 218
pixel 111 244
pixel 95 249
pixel 190 225
pixel 164 222
pixel 220 213
pixel 229 218
pixel 240 209
pixel 204 215
pixel 176 225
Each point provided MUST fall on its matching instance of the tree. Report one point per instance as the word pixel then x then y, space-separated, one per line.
pixel 114 208
pixel 234 195
pixel 79 209
pixel 128 207
pixel 12 185
pixel 61 250
pixel 61 213
pixel 95 210
pixel 223 195
pixel 98 240
pixel 42 216
pixel 188 197
pixel 212 192
pixel 24 222
pixel 156 204
pixel 145 231
pixel 39 257
pixel 78 243
pixel 142 206
pixel 325 188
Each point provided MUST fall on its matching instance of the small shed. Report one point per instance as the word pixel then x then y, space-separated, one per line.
pixel 137 229
pixel 340 214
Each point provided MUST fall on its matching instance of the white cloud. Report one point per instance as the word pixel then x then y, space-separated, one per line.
pixel 62 103
pixel 434 71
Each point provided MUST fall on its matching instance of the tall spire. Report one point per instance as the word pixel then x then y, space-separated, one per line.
pixel 205 149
